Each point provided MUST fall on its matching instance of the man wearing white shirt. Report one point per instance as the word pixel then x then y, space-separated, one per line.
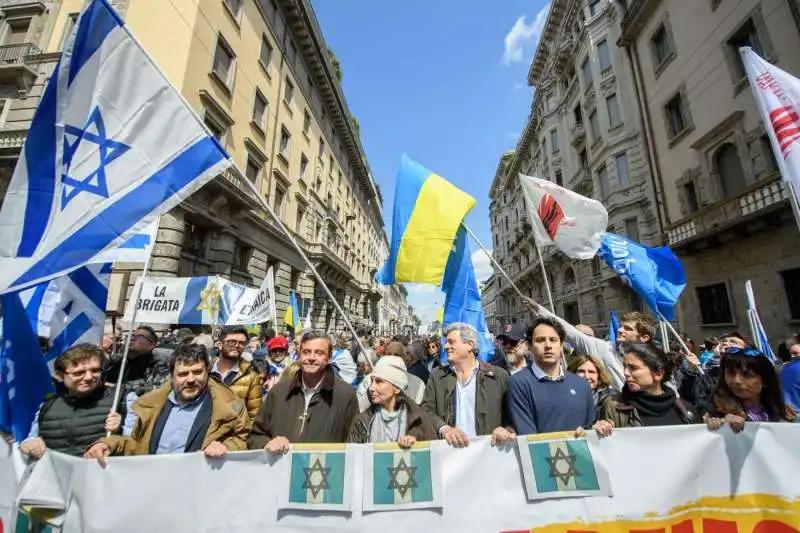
pixel 466 398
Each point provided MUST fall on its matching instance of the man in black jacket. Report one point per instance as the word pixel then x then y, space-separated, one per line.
pixel 72 421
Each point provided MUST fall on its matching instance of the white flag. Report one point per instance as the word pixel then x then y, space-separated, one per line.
pixel 572 223
pixel 255 306
pixel 777 95
pixel 112 146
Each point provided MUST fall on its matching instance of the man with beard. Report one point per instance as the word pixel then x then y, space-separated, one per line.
pixel 515 349
pixel 144 372
pixel 231 370
pixel 312 406
pixel 188 414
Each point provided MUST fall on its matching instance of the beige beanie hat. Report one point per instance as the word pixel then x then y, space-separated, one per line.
pixel 392 369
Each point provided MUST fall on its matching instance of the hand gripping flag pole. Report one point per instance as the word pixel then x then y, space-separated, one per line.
pixel 124 362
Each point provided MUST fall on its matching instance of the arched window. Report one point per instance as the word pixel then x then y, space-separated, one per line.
pixel 729 168
pixel 569 277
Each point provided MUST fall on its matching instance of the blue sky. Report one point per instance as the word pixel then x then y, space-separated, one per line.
pixel 441 80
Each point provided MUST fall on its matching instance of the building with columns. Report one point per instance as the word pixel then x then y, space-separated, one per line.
pixel 583 133
pixel 261 77
pixel 725 211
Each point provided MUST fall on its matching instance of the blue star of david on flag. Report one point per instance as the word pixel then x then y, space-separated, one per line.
pixel 107 150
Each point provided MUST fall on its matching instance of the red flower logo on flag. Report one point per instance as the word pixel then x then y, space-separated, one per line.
pixel 551 215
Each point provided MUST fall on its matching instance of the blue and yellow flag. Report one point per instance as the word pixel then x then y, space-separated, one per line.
pixel 291 318
pixel 427 213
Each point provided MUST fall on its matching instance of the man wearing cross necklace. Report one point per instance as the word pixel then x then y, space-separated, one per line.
pixel 313 406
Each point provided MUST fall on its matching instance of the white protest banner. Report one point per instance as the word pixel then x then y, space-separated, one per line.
pixel 176 301
pixel 665 479
pixel 255 305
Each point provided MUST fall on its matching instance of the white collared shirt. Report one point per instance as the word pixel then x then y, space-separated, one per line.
pixel 465 403
pixel 309 392
pixel 541 375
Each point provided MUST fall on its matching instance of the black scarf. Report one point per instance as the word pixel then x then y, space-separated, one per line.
pixel 649 405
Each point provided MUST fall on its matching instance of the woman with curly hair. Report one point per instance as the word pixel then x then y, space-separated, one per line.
pixel 749 390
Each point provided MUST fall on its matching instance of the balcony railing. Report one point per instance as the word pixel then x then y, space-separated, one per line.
pixel 752 201
pixel 15 54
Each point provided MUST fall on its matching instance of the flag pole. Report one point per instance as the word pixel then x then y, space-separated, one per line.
pixel 544 274
pixel 493 260
pixel 305 258
pixel 795 205
pixel 126 349
pixel 674 332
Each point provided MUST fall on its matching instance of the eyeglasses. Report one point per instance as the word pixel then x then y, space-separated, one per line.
pixel 234 343
pixel 747 352
pixel 140 337
pixel 81 373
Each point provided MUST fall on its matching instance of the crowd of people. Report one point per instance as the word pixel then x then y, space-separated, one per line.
pixel 187 391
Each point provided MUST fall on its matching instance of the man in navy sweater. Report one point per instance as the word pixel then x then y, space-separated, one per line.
pixel 543 398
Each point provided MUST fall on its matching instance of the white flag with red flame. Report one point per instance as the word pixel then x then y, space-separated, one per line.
pixel 777 95
pixel 572 223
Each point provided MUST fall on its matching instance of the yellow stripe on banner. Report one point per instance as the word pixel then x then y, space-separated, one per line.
pixel 318 447
pixel 383 446
pixel 550 436
pixel 428 238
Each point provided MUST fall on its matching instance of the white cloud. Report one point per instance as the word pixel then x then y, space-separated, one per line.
pixel 522 33
pixel 518 86
pixel 514 136
pixel 419 288
pixel 482 265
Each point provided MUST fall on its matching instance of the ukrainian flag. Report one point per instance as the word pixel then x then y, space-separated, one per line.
pixel 428 211
pixel 291 318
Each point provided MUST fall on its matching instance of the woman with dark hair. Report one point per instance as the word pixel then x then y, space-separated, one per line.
pixel 594 371
pixel 645 399
pixel 433 353
pixel 415 353
pixel 749 390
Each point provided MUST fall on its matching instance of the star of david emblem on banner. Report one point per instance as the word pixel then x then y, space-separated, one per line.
pixel 396 478
pixel 564 467
pixel 92 144
pixel 319 478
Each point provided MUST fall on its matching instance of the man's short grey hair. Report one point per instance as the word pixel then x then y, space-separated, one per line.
pixel 466 333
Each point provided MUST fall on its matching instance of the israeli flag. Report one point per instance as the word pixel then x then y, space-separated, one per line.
pixel 135 250
pixel 112 146
pixel 70 309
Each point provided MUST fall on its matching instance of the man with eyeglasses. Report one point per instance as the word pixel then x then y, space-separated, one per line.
pixel 231 370
pixel 313 406
pixel 73 420
pixel 144 372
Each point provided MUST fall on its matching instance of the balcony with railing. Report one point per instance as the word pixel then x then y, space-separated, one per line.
pixel 577 134
pixel 760 199
pixel 16 66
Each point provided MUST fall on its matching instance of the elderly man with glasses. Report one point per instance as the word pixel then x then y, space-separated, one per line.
pixel 232 370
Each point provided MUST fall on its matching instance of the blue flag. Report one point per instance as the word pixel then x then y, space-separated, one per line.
pixel 655 274
pixel 462 301
pixel 24 377
pixel 112 146
pixel 70 309
pixel 613 328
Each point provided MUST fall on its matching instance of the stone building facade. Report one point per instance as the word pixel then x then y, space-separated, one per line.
pixel 583 133
pixel 489 303
pixel 263 80
pixel 725 211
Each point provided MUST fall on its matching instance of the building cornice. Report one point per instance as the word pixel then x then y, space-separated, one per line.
pixel 547 40
pixel 303 24
pixel 635 18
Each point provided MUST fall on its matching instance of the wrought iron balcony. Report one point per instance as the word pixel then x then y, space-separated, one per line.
pixel 759 199
pixel 15 65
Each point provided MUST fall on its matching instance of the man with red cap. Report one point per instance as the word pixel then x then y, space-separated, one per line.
pixel 277 361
